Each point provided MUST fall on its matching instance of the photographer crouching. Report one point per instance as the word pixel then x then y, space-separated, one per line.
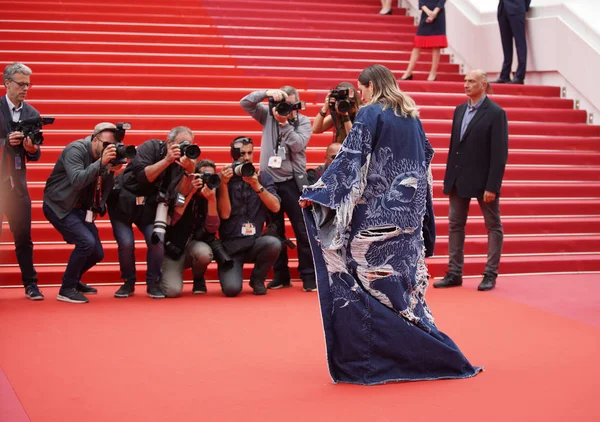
pixel 158 168
pixel 283 153
pixel 191 233
pixel 342 104
pixel 75 193
pixel 245 199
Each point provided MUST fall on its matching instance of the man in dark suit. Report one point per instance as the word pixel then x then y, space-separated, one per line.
pixel 476 162
pixel 511 20
pixel 15 150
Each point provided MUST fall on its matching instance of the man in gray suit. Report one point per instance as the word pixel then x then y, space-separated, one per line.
pixel 15 150
pixel 475 168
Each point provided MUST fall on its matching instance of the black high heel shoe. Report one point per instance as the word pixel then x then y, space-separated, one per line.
pixel 408 78
pixel 389 12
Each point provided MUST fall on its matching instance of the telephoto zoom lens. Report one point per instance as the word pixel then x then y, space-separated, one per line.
pixel 244 170
pixel 160 223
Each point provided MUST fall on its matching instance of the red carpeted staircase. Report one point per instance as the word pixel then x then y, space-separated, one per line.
pixel 189 63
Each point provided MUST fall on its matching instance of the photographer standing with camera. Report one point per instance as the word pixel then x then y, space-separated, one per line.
pixel 245 200
pixel 343 104
pixel 75 193
pixel 15 150
pixel 153 177
pixel 194 223
pixel 283 152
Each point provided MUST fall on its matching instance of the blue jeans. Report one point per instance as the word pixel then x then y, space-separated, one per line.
pixel 88 249
pixel 123 232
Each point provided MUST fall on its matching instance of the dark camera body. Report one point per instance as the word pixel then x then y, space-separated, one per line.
pixel 284 108
pixel 190 150
pixel 123 152
pixel 32 128
pixel 211 180
pixel 243 169
pixel 341 97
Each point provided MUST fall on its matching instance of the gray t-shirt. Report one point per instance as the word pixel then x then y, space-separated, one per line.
pixel 293 138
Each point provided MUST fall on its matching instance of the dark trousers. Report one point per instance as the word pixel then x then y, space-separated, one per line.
pixel 457 219
pixel 18 213
pixel 123 232
pixel 513 26
pixel 289 194
pixel 88 249
pixel 263 254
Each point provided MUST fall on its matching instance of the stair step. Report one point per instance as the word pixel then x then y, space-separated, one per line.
pixel 542 263
pixel 43 231
pixel 40 172
pixel 315 154
pixel 217 123
pixel 509 206
pixel 59 96
pixel 210 139
pixel 84 74
pixel 59 252
pixel 201 108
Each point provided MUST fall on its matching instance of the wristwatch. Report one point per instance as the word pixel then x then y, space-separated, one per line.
pixel 261 190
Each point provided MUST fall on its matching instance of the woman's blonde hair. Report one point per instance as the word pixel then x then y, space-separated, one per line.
pixel 387 92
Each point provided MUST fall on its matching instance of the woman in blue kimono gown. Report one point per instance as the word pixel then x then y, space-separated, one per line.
pixel 365 219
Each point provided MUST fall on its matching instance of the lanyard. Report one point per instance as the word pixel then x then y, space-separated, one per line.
pixel 98 193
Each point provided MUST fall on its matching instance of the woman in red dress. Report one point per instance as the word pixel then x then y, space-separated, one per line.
pixel 431 34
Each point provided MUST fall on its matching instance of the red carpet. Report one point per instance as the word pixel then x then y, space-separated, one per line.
pixel 262 358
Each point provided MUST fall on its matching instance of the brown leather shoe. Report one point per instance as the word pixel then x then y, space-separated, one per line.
pixel 488 283
pixel 450 280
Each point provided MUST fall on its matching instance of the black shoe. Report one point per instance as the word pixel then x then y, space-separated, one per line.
pixel 277 283
pixel 258 287
pixel 450 280
pixel 309 285
pixel 517 81
pixel 501 81
pixel 71 295
pixel 32 291
pixel 389 12
pixel 199 286
pixel 85 289
pixel 408 78
pixel 153 291
pixel 126 290
pixel 488 283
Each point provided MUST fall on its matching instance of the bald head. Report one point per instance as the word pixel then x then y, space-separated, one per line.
pixel 332 151
pixel 476 83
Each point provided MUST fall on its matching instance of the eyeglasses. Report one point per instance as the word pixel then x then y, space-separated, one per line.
pixel 22 84
pixel 333 156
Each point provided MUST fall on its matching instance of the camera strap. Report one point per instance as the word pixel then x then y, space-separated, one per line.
pixel 98 193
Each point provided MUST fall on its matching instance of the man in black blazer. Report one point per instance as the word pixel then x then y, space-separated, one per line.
pixel 475 167
pixel 511 20
pixel 14 152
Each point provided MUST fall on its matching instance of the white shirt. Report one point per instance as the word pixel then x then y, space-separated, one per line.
pixel 15 112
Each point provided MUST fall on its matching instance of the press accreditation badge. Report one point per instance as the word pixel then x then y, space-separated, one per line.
pixel 275 162
pixel 140 200
pixel 248 229
pixel 18 163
